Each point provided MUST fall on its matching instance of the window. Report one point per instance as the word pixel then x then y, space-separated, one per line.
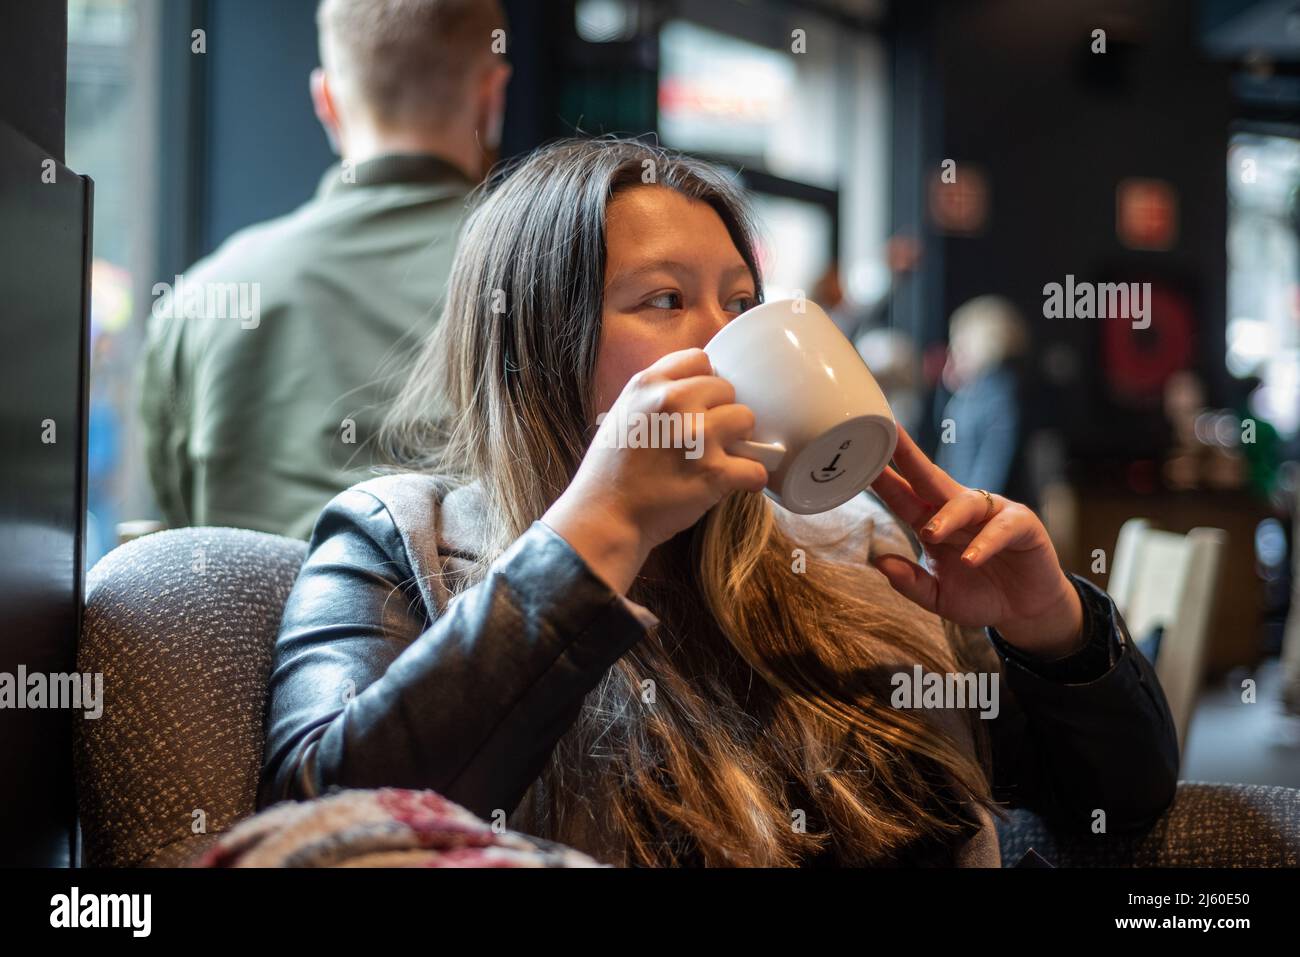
pixel 108 139
pixel 1263 328
pixel 793 109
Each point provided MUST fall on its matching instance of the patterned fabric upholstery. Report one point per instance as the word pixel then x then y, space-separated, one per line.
pixel 182 624
pixel 1208 825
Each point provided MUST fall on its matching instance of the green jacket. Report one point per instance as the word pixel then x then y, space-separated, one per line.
pixel 268 365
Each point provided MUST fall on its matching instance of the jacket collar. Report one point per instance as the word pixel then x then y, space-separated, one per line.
pixel 392 168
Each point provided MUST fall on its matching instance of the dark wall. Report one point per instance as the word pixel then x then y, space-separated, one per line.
pixel 536 34
pixel 1055 128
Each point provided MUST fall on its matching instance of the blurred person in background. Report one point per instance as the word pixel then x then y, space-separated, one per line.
pixel 257 424
pixel 982 424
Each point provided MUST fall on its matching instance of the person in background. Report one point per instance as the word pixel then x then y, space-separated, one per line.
pixel 981 426
pixel 257 421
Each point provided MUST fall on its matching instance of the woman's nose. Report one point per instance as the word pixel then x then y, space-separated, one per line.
pixel 717 318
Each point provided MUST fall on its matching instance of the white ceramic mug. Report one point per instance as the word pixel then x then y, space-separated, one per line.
pixel 823 428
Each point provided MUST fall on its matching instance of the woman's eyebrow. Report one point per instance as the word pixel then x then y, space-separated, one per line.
pixel 671 266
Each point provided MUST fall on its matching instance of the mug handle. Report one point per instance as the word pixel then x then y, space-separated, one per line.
pixel 770 454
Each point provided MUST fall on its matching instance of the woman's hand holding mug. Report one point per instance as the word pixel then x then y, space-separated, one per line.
pixel 624 501
pixel 994 564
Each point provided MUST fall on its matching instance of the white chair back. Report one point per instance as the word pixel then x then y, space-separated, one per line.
pixel 1164 579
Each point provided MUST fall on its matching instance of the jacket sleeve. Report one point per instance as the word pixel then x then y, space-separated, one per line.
pixel 1085 733
pixel 369 688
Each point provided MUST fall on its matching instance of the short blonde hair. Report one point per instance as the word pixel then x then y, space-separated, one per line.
pixel 990 329
pixel 406 61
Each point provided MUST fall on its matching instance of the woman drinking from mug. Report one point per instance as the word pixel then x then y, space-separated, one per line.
pixel 631 651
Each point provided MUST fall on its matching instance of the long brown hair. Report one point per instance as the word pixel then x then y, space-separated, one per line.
pixel 753 725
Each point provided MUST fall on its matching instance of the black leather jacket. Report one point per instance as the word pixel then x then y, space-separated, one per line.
pixel 380 680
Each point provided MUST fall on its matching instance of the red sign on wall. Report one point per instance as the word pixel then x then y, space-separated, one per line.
pixel 959 200
pixel 1146 214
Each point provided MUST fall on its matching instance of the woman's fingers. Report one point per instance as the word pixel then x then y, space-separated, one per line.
pixel 743 474
pixel 931 483
pixel 680 364
pixel 909 579
pixel 902 501
pixel 697 392
pixel 726 424
pixel 1009 527
pixel 969 507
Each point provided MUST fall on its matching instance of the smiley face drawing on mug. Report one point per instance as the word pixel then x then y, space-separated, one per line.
pixel 829 473
pixel 823 428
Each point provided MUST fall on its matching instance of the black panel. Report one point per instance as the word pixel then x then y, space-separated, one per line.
pixel 44 295
pixel 33 70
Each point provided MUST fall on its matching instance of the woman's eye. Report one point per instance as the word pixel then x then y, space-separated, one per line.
pixel 666 300
pixel 742 304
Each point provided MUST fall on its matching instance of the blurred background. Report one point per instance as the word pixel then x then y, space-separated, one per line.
pixel 923 169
